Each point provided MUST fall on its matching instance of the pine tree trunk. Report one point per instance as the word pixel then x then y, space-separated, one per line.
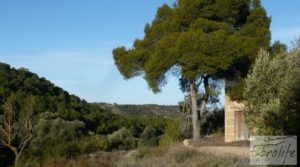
pixel 195 114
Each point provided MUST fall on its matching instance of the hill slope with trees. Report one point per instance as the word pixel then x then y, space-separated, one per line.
pixel 58 124
pixel 143 110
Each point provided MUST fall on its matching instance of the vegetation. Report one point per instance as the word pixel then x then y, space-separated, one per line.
pixel 172 134
pixel 148 137
pixel 172 156
pixel 272 93
pixel 122 139
pixel 145 110
pixel 56 126
pixel 235 88
pixel 44 121
pixel 200 42
pixel 176 156
pixel 16 128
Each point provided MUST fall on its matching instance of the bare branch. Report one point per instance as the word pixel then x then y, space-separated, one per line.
pixel 3 131
pixel 3 142
pixel 21 127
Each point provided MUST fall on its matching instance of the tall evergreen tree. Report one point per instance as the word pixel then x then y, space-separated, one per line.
pixel 199 41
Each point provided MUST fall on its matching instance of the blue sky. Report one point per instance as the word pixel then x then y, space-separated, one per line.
pixel 70 42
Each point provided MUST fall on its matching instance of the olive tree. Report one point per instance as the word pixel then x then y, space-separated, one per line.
pixel 17 127
pixel 272 94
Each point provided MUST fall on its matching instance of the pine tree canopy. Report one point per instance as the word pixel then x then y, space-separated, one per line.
pixel 195 38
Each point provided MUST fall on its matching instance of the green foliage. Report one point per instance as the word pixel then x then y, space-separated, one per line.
pixel 277 47
pixel 95 143
pixel 17 127
pixel 196 38
pixel 149 137
pixel 172 134
pixel 213 121
pixel 122 139
pixel 111 122
pixel 56 137
pixel 68 126
pixel 272 94
pixel 144 110
pixel 24 83
pixel 236 91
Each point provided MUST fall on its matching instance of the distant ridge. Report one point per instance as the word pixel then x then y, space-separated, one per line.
pixel 144 110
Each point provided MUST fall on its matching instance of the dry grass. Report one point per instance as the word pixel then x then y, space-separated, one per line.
pixel 172 156
pixel 217 141
pixel 177 156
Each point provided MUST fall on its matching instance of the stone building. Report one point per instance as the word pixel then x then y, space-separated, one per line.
pixel 235 126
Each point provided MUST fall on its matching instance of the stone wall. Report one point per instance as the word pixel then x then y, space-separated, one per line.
pixel 230 108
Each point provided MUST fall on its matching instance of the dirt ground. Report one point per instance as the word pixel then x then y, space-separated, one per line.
pixel 241 152
pixel 218 147
pixel 217 141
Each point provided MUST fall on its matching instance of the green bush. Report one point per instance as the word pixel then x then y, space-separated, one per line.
pixel 172 134
pixel 94 143
pixel 149 137
pixel 273 94
pixel 236 91
pixel 122 140
pixel 56 137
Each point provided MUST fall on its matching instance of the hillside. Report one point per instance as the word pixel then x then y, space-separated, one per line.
pixel 24 83
pixel 67 126
pixel 146 110
pixel 21 83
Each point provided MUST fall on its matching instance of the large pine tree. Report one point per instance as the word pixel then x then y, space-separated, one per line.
pixel 200 41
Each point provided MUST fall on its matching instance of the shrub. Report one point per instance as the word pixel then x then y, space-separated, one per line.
pixel 122 140
pixel 236 92
pixel 272 94
pixel 56 137
pixel 94 143
pixel 149 137
pixel 172 134
pixel 212 121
